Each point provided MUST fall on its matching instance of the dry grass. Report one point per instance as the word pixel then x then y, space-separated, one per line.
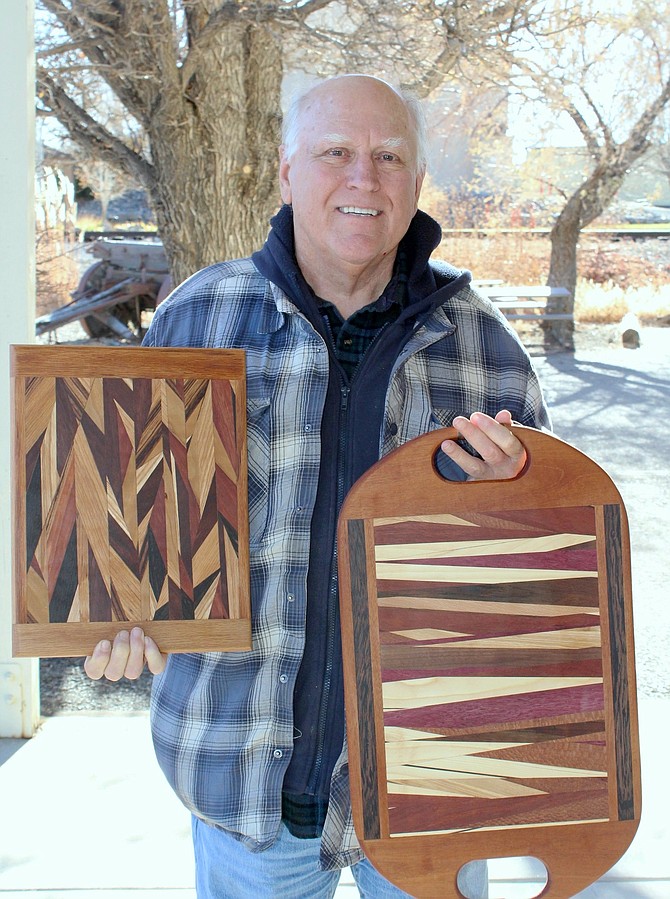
pixel 513 258
pixel 57 271
pixel 614 278
pixel 604 303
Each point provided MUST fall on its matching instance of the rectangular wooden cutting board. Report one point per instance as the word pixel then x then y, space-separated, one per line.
pixel 129 487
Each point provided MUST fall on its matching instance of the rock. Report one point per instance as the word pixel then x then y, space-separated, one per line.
pixel 629 330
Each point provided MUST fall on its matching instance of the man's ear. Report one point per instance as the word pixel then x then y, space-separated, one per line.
pixel 284 178
pixel 420 175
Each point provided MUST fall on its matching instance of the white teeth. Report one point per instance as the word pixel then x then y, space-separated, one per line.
pixel 357 210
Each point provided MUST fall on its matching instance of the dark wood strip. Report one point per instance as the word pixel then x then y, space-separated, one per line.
pixel 364 681
pixel 569 592
pixel 619 662
pixel 426 658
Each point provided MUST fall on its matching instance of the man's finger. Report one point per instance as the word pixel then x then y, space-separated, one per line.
pixel 95 664
pixel 155 658
pixel 135 661
pixel 119 656
pixel 491 437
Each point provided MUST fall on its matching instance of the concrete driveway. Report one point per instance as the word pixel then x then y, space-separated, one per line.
pixel 614 405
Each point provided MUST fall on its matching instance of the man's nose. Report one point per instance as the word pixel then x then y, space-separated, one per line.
pixel 363 173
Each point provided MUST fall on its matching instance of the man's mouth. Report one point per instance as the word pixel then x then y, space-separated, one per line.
pixel 358 210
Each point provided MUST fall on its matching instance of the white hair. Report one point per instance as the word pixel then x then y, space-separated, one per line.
pixel 291 123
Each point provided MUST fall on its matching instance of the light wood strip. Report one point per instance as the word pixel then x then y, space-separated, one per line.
pixel 477 787
pixel 474 764
pixel 426 634
pixel 425 752
pixel 420 692
pixel 91 500
pixel 201 451
pixel 486 608
pixel 444 574
pixel 391 552
pixel 572 638
pixel 428 519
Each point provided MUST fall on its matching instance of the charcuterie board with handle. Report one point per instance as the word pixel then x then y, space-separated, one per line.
pixel 489 667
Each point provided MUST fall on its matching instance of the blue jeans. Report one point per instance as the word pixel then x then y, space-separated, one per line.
pixel 289 869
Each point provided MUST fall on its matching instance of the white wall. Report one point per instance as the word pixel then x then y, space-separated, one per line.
pixel 19 692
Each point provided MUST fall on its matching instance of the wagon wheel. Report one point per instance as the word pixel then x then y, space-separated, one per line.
pixel 129 316
pixel 126 315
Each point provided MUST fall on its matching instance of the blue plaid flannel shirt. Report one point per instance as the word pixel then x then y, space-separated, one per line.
pixel 222 722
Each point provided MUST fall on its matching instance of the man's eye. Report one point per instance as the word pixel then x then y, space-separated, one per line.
pixel 336 151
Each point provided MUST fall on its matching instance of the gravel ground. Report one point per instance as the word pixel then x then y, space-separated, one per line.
pixel 65 687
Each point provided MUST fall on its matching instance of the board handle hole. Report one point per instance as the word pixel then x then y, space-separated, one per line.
pixel 445 468
pixel 523 876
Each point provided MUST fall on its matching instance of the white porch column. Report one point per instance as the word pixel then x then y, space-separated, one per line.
pixel 19 681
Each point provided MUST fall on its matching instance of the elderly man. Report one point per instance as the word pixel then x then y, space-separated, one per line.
pixel 355 343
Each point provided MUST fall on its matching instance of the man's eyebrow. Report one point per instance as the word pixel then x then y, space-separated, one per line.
pixel 335 138
pixel 394 142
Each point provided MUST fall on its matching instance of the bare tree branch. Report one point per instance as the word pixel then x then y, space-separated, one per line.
pixel 99 142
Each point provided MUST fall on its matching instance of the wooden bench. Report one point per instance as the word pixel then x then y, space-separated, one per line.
pixel 523 302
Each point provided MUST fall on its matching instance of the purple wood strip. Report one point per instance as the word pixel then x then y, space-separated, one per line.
pixel 409 814
pixel 479 624
pixel 223 414
pixel 541 706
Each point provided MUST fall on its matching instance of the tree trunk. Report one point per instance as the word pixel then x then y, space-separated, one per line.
pixel 590 199
pixel 563 273
pixel 217 153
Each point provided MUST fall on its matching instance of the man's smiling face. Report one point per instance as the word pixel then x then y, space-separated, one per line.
pixel 352 179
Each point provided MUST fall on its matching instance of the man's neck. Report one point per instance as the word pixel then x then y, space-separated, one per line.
pixel 348 289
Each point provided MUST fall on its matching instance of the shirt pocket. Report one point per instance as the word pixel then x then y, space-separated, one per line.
pixel 441 418
pixel 258 453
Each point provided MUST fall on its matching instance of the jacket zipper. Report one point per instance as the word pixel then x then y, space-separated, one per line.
pixel 332 592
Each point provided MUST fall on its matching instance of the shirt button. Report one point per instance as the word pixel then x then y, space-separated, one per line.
pixel 290 597
pixel 308 427
pixel 278 753
pixel 393 429
pixel 283 678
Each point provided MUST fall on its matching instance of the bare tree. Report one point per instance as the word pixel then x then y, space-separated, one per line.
pixel 203 80
pixel 610 75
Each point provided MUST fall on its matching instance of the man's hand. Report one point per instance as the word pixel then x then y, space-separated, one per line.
pixel 125 657
pixel 503 456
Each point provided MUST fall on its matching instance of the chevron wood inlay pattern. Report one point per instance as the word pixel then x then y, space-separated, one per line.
pixel 131 493
pixel 489 667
